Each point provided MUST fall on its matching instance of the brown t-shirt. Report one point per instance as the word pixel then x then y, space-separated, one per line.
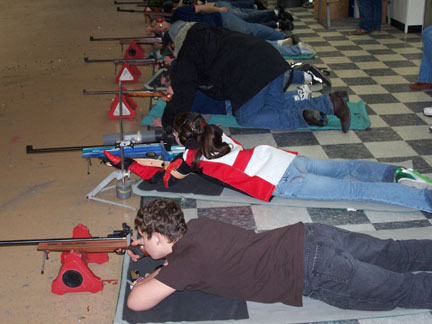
pixel 225 260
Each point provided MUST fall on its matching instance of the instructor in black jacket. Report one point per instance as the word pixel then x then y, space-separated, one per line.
pixel 248 74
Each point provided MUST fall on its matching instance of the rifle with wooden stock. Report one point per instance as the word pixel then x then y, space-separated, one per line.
pixel 132 93
pixel 118 242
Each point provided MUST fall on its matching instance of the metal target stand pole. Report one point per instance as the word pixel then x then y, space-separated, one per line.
pixel 124 188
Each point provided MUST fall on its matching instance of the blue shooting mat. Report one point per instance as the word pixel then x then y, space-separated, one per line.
pixel 359 117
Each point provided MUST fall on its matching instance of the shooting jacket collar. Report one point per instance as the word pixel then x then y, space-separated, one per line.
pixel 181 35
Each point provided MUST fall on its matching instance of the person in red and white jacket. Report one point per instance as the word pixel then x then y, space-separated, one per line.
pixel 265 171
pixel 256 171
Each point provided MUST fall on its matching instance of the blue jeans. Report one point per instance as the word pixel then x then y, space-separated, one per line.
pixel 203 104
pixel 357 271
pixel 272 108
pixel 238 3
pixel 425 74
pixel 298 77
pixel 234 23
pixel 370 14
pixel 249 15
pixel 289 50
pixel 353 180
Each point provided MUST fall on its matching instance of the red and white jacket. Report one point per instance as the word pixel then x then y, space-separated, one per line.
pixel 256 171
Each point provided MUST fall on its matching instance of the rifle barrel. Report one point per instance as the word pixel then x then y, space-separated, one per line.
pixel 121 61
pixel 129 10
pixel 139 39
pixel 126 92
pixel 30 149
pixel 129 2
pixel 58 240
pixel 141 62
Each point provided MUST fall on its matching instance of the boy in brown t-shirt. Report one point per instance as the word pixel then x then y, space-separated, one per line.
pixel 345 269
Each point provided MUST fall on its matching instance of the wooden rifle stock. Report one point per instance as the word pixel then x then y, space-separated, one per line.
pixel 93 246
pixel 158 94
pixel 118 241
pixel 132 93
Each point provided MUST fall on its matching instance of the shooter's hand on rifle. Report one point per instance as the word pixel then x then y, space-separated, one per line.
pixel 165 96
pixel 157 122
pixel 137 243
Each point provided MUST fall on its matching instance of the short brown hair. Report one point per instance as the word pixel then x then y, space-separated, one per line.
pixel 163 216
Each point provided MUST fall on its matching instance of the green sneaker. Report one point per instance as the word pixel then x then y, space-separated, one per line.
pixel 412 178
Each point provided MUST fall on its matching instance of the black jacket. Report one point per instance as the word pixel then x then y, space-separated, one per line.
pixel 223 64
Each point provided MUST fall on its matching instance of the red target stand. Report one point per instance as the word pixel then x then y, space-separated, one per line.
pixel 128 74
pixel 74 274
pixel 128 106
pixel 134 51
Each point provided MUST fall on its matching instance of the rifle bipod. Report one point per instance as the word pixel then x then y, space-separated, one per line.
pixel 123 188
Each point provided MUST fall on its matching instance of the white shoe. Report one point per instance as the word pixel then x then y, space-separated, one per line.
pixel 285 42
pixel 304 92
pixel 427 111
pixel 306 49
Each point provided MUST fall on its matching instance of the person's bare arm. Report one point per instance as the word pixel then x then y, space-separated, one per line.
pixel 209 9
pixel 148 293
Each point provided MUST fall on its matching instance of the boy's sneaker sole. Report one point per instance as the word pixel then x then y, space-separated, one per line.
pixel 415 184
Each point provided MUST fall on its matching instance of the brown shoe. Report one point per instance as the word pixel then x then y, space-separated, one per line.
pixel 420 86
pixel 340 108
pixel 359 32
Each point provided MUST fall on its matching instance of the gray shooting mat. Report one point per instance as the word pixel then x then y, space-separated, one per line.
pixel 178 307
pixel 277 313
pixel 207 191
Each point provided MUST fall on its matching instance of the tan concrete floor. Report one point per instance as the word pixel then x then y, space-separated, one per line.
pixel 42 75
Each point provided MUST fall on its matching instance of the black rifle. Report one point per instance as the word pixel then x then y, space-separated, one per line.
pixel 155 136
pixel 131 2
pixel 147 13
pixel 147 61
pixel 126 40
pixel 129 10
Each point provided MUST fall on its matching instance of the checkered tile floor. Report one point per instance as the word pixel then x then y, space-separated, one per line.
pixel 376 69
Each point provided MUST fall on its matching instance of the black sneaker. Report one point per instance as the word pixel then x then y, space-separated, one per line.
pixel 318 75
pixel 285 25
pixel 315 118
pixel 284 15
pixel 259 5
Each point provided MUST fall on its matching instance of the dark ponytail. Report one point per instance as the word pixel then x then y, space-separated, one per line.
pixel 195 133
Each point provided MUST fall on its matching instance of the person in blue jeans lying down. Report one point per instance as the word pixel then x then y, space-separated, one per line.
pixel 345 269
pixel 265 171
pixel 287 45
